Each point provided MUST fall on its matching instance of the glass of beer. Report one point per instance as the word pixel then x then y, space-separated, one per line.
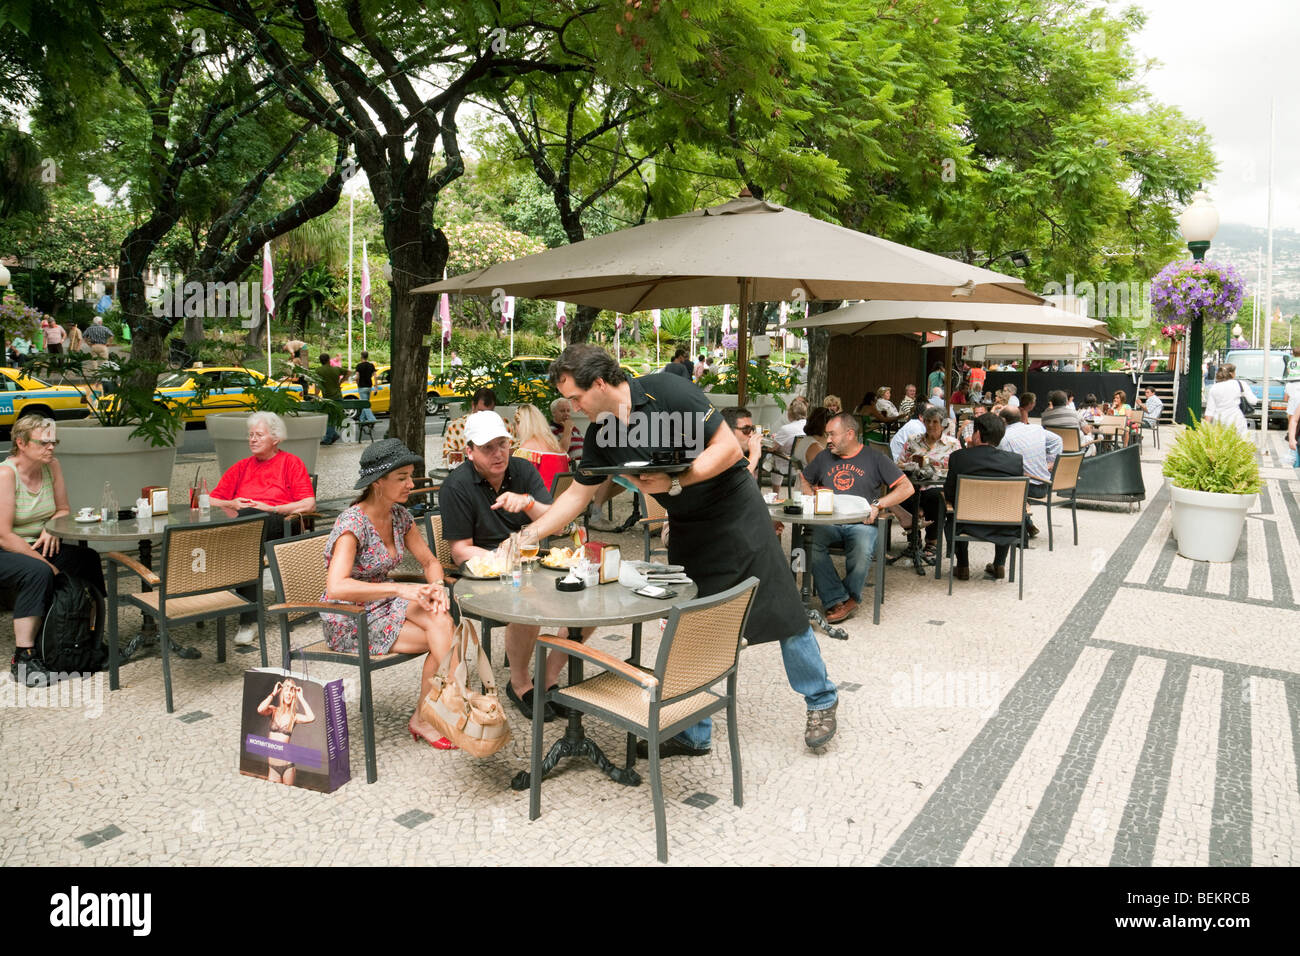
pixel 528 549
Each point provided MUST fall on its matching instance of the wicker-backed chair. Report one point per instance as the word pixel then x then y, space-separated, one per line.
pixel 1065 479
pixel 1069 437
pixel 298 568
pixel 656 516
pixel 990 501
pixel 1111 428
pixel 202 564
pixel 1134 418
pixel 700 648
pixel 880 446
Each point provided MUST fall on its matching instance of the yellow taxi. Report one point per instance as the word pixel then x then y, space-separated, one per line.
pixel 21 393
pixel 534 371
pixel 381 393
pixel 206 390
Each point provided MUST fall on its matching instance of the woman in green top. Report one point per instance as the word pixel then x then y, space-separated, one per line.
pixel 32 492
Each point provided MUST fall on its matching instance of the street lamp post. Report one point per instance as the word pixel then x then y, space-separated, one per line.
pixel 1198 224
pixel 4 284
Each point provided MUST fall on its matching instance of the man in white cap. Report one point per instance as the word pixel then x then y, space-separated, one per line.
pixel 483 503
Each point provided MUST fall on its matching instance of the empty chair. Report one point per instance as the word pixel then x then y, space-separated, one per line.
pixel 202 565
pixel 1069 437
pixel 700 649
pixel 1065 480
pixel 656 517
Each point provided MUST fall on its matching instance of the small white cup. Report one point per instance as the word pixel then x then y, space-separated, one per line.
pixel 807 504
pixel 85 512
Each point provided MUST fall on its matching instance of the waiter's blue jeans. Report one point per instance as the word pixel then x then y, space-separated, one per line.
pixel 859 543
pixel 806 672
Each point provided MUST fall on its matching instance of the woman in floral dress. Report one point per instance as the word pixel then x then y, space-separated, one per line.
pixel 369 540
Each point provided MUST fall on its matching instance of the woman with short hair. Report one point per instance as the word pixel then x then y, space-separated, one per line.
pixel 31 493
pixel 271 481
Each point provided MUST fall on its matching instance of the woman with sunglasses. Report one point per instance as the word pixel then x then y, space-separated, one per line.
pixel 31 493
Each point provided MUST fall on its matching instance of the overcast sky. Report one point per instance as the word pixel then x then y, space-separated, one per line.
pixel 1219 63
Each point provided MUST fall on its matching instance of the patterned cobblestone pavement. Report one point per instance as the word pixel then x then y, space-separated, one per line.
pixel 1136 709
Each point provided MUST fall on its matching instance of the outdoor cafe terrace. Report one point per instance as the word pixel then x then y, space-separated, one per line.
pixel 1134 708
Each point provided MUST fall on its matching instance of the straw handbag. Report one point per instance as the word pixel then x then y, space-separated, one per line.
pixel 472 721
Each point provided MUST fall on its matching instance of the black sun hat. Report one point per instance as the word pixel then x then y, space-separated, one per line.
pixel 381 458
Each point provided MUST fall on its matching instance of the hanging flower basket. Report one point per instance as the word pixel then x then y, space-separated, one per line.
pixel 1183 291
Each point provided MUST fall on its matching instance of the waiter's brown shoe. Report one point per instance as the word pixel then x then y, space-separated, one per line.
pixel 996 571
pixel 961 572
pixel 841 611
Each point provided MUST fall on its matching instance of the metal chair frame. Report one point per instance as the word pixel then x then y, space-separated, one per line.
pixel 160 584
pixel 1065 480
pixel 662 687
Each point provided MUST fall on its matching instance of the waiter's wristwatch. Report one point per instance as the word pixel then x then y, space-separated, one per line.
pixel 675 487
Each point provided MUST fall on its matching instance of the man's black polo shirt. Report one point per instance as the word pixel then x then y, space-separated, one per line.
pixel 668 414
pixel 466 502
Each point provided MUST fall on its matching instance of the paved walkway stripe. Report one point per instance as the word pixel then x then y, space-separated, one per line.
pixel 1168 551
pixel 1003 827
pixel 1237 585
pixel 1257 585
pixel 1200 576
pixel 1230 840
pixel 1275 799
pixel 1197 660
pixel 1188 809
pixel 1263 504
pixel 1220 577
pixel 1277 565
pixel 1091 835
pixel 942 828
pixel 1060 801
pixel 1180 573
pixel 1139 829
pixel 1140 572
pixel 1293 708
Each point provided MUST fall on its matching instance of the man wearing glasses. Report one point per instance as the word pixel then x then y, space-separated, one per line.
pixel 741 421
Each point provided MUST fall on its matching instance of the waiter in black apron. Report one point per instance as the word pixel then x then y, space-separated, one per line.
pixel 721 529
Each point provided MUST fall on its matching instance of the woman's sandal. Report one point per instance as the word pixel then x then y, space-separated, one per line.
pixel 442 743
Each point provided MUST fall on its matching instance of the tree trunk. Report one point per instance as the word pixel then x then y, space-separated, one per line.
pixel 819 340
pixel 579 330
pixel 418 257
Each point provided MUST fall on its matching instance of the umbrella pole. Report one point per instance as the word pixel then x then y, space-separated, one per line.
pixel 742 344
pixel 947 361
pixel 1024 369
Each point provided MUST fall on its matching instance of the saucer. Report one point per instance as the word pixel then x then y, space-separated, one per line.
pixel 89 520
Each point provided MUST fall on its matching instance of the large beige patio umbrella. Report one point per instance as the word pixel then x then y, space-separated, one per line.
pixel 746 250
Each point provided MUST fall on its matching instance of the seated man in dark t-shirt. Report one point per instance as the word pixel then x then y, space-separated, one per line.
pixel 482 504
pixel 848 467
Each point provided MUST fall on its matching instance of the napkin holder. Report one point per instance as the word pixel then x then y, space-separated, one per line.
pixel 824 503
pixel 156 495
pixel 611 560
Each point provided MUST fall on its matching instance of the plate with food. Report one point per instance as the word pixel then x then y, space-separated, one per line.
pixel 485 567
pixel 561 559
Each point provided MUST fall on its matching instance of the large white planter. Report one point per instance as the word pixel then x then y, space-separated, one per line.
pixel 229 432
pixel 91 454
pixel 767 413
pixel 1207 525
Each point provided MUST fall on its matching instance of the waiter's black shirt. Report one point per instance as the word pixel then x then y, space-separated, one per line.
pixel 668 414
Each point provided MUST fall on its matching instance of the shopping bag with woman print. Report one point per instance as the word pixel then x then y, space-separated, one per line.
pixel 294 730
pixel 472 721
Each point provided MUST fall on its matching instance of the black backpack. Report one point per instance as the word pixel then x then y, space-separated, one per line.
pixel 71 639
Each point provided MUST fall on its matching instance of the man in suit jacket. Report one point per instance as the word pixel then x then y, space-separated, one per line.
pixel 981 457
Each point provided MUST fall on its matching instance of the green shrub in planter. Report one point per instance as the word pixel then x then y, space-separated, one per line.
pixel 1213 457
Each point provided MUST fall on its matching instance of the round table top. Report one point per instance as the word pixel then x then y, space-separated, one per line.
pixel 840 517
pixel 539 603
pixel 130 529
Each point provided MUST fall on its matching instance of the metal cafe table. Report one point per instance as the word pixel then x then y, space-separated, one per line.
pixel 144 534
pixel 538 603
pixel 803 561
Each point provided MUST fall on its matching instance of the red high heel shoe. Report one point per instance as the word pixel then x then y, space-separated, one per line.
pixel 442 743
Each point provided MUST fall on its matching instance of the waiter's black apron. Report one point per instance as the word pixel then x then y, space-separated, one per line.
pixel 729 537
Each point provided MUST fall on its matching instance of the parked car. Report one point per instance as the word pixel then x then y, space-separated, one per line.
pixel 20 393
pixel 205 390
pixel 1282 368
pixel 381 394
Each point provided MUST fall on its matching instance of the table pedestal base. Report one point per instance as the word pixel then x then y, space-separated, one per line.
pixel 831 630
pixel 147 639
pixel 575 743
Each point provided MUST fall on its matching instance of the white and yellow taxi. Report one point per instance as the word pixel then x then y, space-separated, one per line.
pixel 21 393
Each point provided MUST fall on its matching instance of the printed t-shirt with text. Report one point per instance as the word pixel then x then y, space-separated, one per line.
pixel 860 476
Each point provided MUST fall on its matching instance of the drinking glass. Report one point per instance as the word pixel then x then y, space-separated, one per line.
pixel 528 549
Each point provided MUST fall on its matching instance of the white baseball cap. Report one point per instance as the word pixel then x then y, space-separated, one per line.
pixel 484 427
